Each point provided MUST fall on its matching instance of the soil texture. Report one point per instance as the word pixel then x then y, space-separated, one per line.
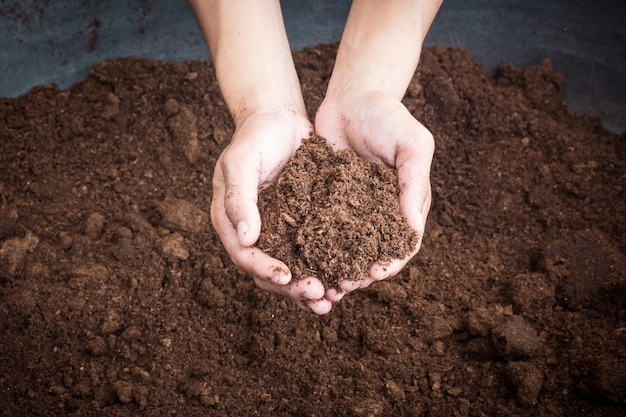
pixel 117 298
pixel 331 215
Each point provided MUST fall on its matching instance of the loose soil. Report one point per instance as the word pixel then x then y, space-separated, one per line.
pixel 331 215
pixel 117 298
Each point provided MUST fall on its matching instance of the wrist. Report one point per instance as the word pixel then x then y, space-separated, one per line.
pixel 257 101
pixel 252 55
pixel 362 69
pixel 381 45
pixel 283 122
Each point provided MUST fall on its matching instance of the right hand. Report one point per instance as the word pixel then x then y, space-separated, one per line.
pixel 260 148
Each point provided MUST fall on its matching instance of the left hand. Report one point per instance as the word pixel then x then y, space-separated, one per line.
pixel 379 128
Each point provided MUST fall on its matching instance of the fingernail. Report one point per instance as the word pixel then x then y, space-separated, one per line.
pixel 242 229
pixel 280 276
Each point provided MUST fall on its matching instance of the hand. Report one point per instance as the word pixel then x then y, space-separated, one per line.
pixel 257 153
pixel 379 128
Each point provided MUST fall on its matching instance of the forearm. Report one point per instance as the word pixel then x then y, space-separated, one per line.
pixel 381 45
pixel 251 53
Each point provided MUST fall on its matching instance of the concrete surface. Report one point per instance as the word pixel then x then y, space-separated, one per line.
pixel 43 41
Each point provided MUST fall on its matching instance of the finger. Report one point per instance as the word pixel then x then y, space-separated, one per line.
pixel 320 307
pixel 250 259
pixel 383 270
pixel 279 290
pixel 308 293
pixel 367 282
pixel 307 289
pixel 413 162
pixel 241 185
pixel 347 285
pixel 334 294
pixel 253 260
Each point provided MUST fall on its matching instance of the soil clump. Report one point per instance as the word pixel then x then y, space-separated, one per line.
pixel 331 215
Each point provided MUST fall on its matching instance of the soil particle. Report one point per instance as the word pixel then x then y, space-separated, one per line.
pixel 395 392
pixel 367 408
pixel 171 107
pixel 440 328
pixel 588 269
pixel 604 378
pixel 97 346
pixel 600 369
pixel 104 396
pixel 532 292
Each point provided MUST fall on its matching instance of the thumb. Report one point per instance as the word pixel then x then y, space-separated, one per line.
pixel 240 202
pixel 413 163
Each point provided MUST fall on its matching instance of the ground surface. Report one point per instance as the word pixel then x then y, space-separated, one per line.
pixel 116 298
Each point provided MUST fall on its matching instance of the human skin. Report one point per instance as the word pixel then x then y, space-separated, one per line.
pixel 361 111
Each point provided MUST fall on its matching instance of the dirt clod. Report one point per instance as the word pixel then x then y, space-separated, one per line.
pixel 184 215
pixel 527 380
pixel 516 339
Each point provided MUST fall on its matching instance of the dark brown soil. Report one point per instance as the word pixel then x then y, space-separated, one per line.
pixel 117 299
pixel 331 215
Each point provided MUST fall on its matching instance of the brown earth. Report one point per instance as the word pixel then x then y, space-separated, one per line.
pixel 117 299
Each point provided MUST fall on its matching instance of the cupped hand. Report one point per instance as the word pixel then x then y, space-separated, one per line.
pixel 379 128
pixel 260 148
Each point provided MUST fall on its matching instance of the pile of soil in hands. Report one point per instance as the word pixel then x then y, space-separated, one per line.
pixel 117 298
pixel 331 215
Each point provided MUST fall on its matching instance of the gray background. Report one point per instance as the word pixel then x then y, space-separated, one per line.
pixel 45 41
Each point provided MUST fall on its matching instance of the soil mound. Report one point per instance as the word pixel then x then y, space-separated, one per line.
pixel 117 298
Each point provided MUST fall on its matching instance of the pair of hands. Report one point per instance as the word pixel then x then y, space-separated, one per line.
pixel 375 125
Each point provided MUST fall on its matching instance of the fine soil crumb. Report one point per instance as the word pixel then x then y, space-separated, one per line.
pixel 332 215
